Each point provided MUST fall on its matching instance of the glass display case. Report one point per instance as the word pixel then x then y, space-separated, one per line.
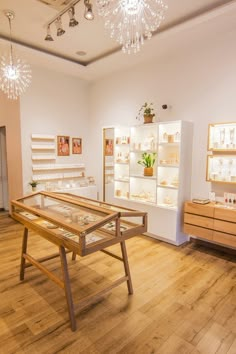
pixel 77 222
pixel 221 165
pixel 78 225
pixel 222 137
pixel 221 168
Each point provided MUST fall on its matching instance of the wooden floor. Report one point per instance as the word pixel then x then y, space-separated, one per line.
pixel 184 300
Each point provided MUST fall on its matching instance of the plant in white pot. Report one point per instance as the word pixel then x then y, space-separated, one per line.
pixel 147 111
pixel 148 161
pixel 33 184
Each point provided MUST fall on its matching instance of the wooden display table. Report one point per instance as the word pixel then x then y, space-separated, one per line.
pixel 212 222
pixel 78 225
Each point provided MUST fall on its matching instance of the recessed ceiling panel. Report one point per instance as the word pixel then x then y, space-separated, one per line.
pixel 89 37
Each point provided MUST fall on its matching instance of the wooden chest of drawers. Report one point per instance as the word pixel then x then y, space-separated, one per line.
pixel 211 222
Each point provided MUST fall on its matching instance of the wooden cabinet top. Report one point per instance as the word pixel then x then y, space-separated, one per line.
pixel 216 211
pixel 199 209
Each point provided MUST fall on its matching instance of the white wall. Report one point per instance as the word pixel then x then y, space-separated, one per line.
pixel 55 104
pixel 198 81
pixel 10 121
pixel 3 170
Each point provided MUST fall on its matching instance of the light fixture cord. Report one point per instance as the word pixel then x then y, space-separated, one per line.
pixel 11 49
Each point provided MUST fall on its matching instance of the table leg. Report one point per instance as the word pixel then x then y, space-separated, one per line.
pixel 67 288
pixel 126 266
pixel 73 256
pixel 23 251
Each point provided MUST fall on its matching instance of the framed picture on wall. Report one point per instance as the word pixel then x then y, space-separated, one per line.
pixel 76 146
pixel 109 147
pixel 63 145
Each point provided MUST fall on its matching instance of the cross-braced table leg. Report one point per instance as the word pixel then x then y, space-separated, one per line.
pixel 126 266
pixel 23 251
pixel 67 288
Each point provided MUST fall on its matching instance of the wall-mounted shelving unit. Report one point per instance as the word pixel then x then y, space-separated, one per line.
pixel 42 147
pixel 221 164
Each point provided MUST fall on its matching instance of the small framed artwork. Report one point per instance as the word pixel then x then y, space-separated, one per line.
pixel 76 146
pixel 109 147
pixel 63 145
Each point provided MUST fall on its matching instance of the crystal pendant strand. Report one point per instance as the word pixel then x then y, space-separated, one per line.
pixel 15 74
pixel 130 22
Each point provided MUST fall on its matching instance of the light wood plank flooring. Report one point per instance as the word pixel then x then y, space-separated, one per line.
pixel 184 300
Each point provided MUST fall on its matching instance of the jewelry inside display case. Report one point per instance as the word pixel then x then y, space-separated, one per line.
pixel 221 164
pixel 222 136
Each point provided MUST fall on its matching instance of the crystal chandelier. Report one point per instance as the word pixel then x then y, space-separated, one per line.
pixel 15 74
pixel 131 21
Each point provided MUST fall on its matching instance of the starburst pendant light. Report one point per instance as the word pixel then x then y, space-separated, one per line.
pixel 15 74
pixel 130 22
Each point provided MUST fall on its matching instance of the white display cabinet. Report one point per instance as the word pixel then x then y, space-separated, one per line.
pixel 163 194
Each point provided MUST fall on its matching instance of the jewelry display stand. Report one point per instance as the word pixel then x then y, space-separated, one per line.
pixel 78 225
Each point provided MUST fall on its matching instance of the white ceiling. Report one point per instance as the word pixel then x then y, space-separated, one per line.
pixel 103 54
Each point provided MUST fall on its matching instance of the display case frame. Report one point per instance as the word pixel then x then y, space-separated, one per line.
pixel 41 212
pixel 225 173
pixel 221 143
pixel 222 137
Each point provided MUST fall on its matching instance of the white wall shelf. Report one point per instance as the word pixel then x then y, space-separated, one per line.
pixel 45 144
pixel 46 172
pixel 44 157
pixel 167 186
pixel 56 176
pixel 43 147
pixel 42 137
pixel 144 177
pixel 57 167
pixel 121 180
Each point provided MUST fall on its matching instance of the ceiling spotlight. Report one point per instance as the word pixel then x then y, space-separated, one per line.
pixel 48 36
pixel 73 22
pixel 88 14
pixel 60 30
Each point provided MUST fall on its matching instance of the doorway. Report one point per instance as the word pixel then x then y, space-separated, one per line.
pixel 3 171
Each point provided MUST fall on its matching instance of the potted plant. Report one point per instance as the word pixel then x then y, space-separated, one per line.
pixel 147 111
pixel 33 184
pixel 148 160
